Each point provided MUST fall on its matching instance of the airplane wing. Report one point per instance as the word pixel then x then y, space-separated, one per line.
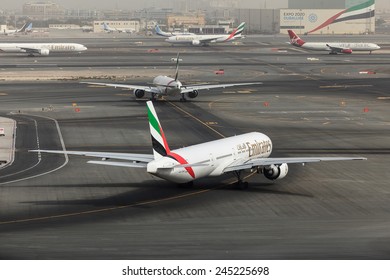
pixel 338 49
pixel 31 50
pixel 186 89
pixel 235 166
pixel 145 88
pixel 128 160
pixel 209 40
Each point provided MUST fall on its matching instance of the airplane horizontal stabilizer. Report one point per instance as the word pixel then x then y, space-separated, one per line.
pixel 119 163
pixel 105 155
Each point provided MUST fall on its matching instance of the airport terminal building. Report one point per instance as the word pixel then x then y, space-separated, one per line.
pixel 358 17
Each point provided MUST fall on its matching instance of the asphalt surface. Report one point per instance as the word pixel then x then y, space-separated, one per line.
pixel 55 208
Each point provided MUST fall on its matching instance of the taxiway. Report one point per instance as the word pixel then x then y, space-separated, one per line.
pixel 53 207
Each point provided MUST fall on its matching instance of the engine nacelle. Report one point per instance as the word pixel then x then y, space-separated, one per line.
pixel 139 93
pixel 196 42
pixel 44 52
pixel 193 94
pixel 275 172
pixel 346 51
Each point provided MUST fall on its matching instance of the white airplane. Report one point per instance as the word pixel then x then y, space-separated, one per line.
pixel 332 48
pixel 25 28
pixel 43 49
pixel 205 40
pixel 167 86
pixel 249 151
pixel 169 34
pixel 108 29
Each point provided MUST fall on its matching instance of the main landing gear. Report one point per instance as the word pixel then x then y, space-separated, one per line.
pixel 186 185
pixel 183 99
pixel 240 184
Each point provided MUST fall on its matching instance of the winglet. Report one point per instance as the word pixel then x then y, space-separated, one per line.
pixel 159 142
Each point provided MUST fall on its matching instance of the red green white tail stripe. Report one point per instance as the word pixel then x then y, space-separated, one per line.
pixel 236 32
pixel 364 10
pixel 159 142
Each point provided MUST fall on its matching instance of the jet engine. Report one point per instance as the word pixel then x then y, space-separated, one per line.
pixel 193 94
pixel 346 51
pixel 275 172
pixel 196 42
pixel 139 93
pixel 44 52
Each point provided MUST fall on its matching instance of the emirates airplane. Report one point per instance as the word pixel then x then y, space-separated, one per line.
pixel 249 151
pixel 167 86
pixel 332 48
pixel 43 49
pixel 205 40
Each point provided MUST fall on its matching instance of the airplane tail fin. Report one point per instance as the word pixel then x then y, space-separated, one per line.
pixel 29 27
pixel 160 32
pixel 294 39
pixel 239 29
pixel 236 33
pixel 23 28
pixel 159 142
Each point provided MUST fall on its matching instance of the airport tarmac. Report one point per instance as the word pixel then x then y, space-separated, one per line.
pixel 53 207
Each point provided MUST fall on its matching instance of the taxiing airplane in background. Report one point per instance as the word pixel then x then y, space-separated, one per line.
pixel 205 40
pixel 249 151
pixel 167 86
pixel 108 29
pixel 25 28
pixel 43 49
pixel 169 34
pixel 332 48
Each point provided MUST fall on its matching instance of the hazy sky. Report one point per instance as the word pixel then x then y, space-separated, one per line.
pixel 136 4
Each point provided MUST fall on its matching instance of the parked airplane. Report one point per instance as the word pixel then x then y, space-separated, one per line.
pixel 120 30
pixel 234 154
pixel 167 86
pixel 43 49
pixel 332 48
pixel 204 40
pixel 169 34
pixel 25 28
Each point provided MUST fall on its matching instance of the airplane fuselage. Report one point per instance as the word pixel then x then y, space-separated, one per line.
pixel 197 39
pixel 213 157
pixel 167 85
pixel 323 46
pixel 51 47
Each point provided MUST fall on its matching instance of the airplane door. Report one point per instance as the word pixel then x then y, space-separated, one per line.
pixel 212 160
